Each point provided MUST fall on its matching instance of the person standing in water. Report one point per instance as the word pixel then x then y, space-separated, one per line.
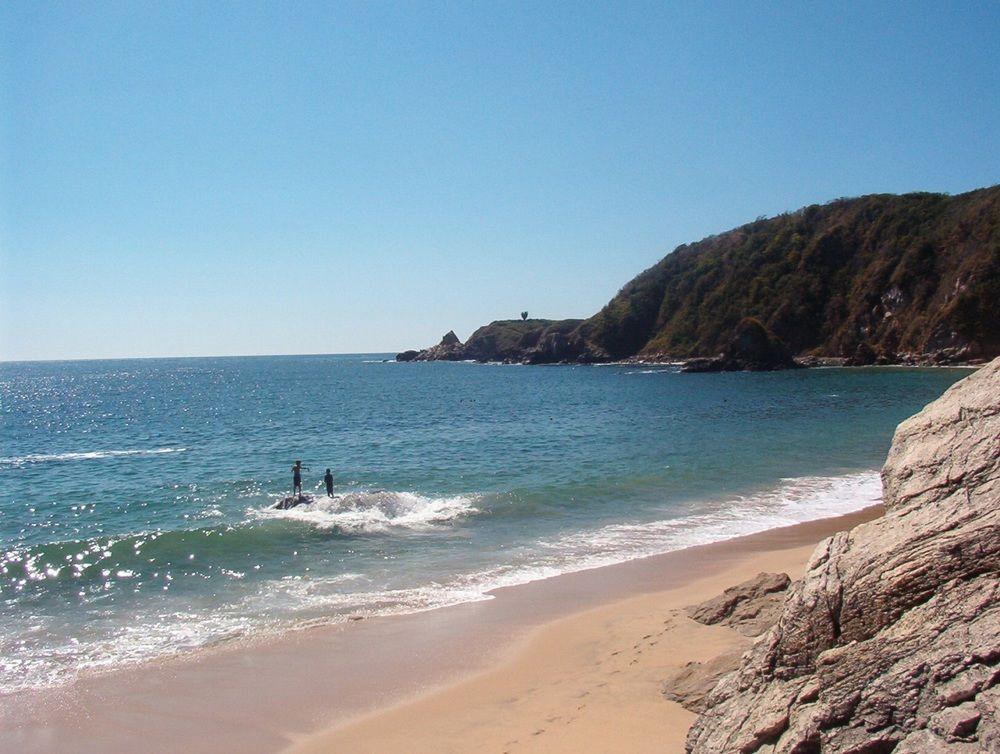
pixel 297 477
pixel 329 483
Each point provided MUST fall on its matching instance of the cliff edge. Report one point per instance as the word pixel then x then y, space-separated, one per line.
pixel 891 640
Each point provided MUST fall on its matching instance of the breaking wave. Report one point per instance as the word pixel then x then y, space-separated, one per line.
pixel 16 461
pixel 375 512
pixel 294 601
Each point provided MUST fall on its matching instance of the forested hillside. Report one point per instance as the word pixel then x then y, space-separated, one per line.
pixel 908 278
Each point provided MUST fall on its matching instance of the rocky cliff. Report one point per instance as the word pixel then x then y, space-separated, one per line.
pixel 529 341
pixel 913 278
pixel 753 348
pixel 891 641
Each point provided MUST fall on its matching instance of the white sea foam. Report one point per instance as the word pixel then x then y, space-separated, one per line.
pixel 84 456
pixel 377 511
pixel 795 500
pixel 303 600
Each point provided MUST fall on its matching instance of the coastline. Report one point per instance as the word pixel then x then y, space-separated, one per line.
pixel 633 361
pixel 590 681
pixel 313 688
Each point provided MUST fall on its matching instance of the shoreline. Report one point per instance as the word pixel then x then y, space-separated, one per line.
pixel 589 681
pixel 266 696
pixel 822 364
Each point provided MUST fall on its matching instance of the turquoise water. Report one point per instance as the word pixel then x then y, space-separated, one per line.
pixel 134 495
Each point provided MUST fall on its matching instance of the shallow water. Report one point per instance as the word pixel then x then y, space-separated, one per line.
pixel 135 496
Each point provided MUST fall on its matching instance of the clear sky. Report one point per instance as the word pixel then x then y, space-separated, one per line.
pixel 246 178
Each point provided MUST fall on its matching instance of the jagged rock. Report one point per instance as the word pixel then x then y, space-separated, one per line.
pixel 750 608
pixel 691 684
pixel 449 349
pixel 294 501
pixel 704 364
pixel 863 356
pixel 756 348
pixel 895 622
pixel 752 348
pixel 532 341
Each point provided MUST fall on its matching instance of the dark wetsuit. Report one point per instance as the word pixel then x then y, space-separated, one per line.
pixel 329 484
pixel 296 480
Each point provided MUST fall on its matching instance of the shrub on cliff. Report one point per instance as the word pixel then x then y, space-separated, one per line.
pixel 898 274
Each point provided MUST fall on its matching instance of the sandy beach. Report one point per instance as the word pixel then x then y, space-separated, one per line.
pixel 567 663
pixel 587 682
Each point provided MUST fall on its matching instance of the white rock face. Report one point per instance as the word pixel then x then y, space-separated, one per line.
pixel 891 641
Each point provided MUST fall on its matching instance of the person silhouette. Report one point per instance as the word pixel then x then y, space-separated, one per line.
pixel 329 483
pixel 297 477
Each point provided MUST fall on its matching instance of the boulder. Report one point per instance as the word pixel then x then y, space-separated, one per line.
pixel 704 364
pixel 294 501
pixel 449 349
pixel 750 608
pixel 752 348
pixel 690 685
pixel 891 640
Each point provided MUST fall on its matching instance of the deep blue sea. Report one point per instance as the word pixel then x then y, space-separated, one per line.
pixel 135 496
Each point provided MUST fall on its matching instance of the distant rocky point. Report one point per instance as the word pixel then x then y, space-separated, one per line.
pixel 527 341
pixel 880 279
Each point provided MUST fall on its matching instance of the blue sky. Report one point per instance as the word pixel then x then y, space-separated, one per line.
pixel 245 178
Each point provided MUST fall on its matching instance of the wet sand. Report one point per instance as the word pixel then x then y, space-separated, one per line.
pixel 570 663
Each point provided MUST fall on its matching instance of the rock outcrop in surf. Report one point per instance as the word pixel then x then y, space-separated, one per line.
pixel 293 501
pixel 753 348
pixel 891 640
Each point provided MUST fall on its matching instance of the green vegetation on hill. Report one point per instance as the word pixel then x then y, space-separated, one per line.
pixel 887 278
pixel 884 275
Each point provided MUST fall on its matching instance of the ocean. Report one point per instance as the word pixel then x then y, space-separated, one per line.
pixel 135 495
